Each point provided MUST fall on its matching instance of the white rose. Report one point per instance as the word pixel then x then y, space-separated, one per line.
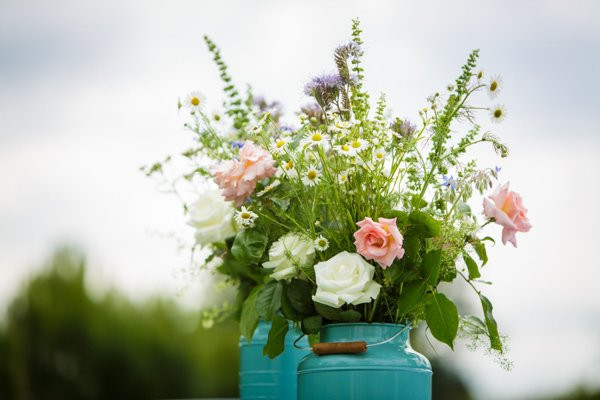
pixel 288 252
pixel 345 278
pixel 212 217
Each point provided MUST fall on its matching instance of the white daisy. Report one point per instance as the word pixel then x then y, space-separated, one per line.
pixel 341 127
pixel 357 145
pixel 311 176
pixel 256 129
pixel 345 149
pixel 245 217
pixel 194 101
pixel 379 155
pixel 480 75
pixel 494 87
pixel 314 138
pixel 321 244
pixel 344 177
pixel 278 146
pixel 498 113
pixel 288 170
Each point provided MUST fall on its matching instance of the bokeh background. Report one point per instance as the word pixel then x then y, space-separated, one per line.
pixel 88 94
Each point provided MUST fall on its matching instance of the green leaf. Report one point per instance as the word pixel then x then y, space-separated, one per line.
pixel 417 202
pixel 249 246
pixel 473 325
pixel 401 216
pixel 249 317
pixel 489 238
pixel 350 316
pixel 269 300
pixel 408 275
pixel 312 324
pixel 430 266
pixel 412 246
pixel 424 224
pixel 481 252
pixel 463 208
pixel 491 324
pixel 237 269
pixel 286 307
pixel 328 311
pixel 412 293
pixel 471 266
pixel 276 339
pixel 281 203
pixel 442 318
pixel 391 274
pixel 299 294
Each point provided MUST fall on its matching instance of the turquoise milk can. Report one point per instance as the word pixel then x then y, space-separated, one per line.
pixel 263 378
pixel 390 370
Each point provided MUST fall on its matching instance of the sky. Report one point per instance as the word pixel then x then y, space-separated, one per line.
pixel 88 94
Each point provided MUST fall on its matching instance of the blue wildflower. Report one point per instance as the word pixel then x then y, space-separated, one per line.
pixel 498 169
pixel 237 145
pixel 449 182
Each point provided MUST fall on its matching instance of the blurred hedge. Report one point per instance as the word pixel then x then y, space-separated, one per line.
pixel 58 342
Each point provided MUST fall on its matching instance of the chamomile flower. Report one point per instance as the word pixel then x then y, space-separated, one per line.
pixel 357 145
pixel 314 138
pixel 344 177
pixel 311 177
pixel 342 127
pixel 494 87
pixel 345 150
pixel 278 146
pixel 480 75
pixel 379 155
pixel 321 244
pixel 256 129
pixel 194 101
pixel 245 217
pixel 288 170
pixel 498 113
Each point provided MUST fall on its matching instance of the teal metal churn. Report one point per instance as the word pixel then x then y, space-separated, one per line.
pixel 388 369
pixel 265 378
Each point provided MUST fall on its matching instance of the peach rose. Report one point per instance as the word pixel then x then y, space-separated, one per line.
pixel 507 209
pixel 380 241
pixel 238 178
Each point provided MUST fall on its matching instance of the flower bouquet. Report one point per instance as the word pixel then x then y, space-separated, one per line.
pixel 348 215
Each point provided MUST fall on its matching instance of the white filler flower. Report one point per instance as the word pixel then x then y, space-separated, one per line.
pixel 345 278
pixel 194 101
pixel 212 217
pixel 287 253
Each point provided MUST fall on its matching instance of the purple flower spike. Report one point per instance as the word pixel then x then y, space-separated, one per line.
pixel 322 83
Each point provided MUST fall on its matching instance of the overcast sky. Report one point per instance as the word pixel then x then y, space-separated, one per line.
pixel 88 93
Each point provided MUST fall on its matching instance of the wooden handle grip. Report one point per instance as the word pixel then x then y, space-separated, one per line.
pixel 340 348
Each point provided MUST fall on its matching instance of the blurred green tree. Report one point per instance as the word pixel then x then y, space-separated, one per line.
pixel 60 343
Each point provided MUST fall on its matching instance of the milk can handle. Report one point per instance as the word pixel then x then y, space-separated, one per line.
pixel 346 347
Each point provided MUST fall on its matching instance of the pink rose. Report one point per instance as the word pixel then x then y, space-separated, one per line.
pixel 380 241
pixel 238 178
pixel 507 209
